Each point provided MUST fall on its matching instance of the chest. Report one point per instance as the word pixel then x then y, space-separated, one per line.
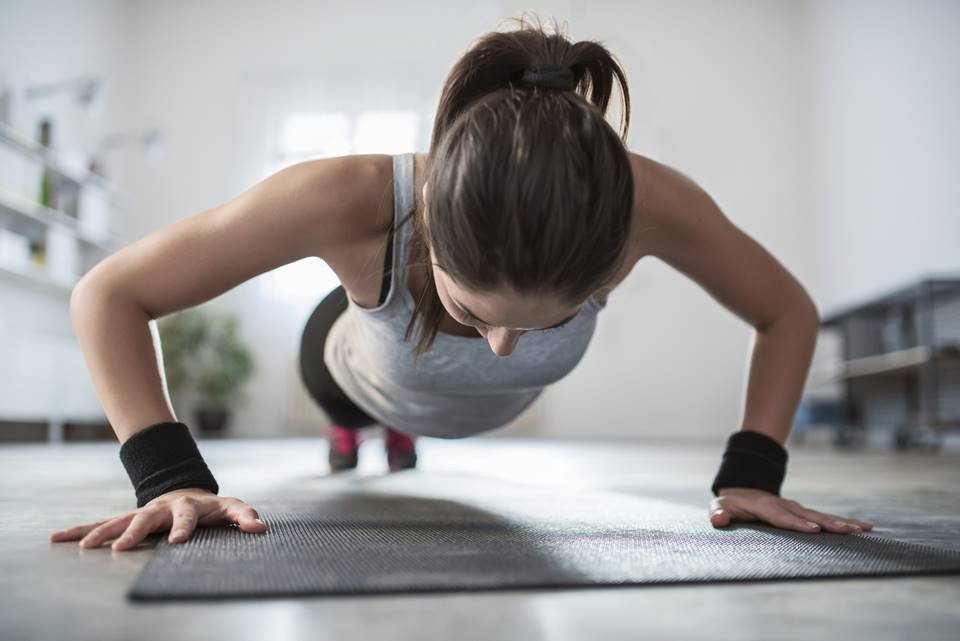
pixel 363 285
pixel 459 366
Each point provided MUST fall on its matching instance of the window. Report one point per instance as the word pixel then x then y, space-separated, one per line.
pixel 306 136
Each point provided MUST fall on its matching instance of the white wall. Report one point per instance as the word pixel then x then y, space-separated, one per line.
pixel 885 83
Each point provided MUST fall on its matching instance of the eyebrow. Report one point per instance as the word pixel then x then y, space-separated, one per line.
pixel 464 308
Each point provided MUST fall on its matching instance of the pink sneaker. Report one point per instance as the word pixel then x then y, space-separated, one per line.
pixel 343 448
pixel 401 451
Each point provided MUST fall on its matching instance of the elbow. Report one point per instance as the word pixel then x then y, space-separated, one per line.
pixel 78 294
pixel 805 308
pixel 807 314
pixel 79 297
pixel 812 320
pixel 84 294
pixel 814 313
pixel 804 317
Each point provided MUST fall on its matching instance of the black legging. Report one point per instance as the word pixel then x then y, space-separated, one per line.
pixel 324 390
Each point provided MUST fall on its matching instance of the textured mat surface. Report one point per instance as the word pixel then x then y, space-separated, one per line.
pixel 489 535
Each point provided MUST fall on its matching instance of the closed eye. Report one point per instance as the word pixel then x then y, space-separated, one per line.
pixel 472 320
pixel 557 326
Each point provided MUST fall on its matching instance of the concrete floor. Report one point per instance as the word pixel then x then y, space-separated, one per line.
pixel 57 591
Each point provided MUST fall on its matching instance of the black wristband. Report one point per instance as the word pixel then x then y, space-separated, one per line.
pixel 164 457
pixel 752 460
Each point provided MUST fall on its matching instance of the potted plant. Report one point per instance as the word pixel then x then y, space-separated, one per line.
pixel 203 350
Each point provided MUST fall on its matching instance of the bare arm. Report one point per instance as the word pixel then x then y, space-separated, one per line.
pixel 120 345
pixel 690 233
pixel 312 208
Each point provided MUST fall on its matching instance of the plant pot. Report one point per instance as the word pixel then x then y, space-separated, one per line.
pixel 212 420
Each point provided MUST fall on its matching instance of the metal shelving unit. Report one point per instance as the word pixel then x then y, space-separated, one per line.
pixel 909 339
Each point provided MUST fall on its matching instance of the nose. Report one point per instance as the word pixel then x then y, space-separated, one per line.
pixel 502 341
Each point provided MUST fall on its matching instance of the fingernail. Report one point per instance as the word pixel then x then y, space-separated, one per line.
pixel 841 524
pixel 857 529
pixel 813 525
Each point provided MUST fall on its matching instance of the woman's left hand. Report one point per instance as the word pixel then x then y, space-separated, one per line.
pixel 748 504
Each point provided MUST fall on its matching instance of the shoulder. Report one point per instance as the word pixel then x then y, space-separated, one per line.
pixel 352 194
pixel 660 192
pixel 644 170
pixel 363 185
pixel 664 199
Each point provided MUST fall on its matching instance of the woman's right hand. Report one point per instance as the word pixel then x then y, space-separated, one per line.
pixel 179 511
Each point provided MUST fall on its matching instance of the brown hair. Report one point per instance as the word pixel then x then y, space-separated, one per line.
pixel 530 188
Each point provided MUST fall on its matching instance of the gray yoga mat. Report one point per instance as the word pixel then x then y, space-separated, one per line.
pixel 482 535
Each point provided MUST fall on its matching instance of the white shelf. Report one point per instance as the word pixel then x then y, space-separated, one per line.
pixel 30 211
pixel 889 363
pixel 49 158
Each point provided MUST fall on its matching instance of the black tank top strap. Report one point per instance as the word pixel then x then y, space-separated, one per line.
pixel 387 263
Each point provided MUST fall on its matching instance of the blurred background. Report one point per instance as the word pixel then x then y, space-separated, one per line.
pixel 826 129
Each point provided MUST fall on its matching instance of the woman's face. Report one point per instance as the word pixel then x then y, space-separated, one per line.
pixel 502 316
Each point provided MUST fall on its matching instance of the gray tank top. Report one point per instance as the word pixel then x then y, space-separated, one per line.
pixel 459 387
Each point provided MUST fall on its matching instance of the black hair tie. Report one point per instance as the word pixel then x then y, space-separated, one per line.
pixel 551 76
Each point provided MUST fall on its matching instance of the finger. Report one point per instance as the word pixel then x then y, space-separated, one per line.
pixel 246 517
pixel 141 525
pixel 720 517
pixel 777 514
pixel 828 522
pixel 105 531
pixel 184 520
pixel 866 526
pixel 75 532
pixel 863 525
pixel 723 510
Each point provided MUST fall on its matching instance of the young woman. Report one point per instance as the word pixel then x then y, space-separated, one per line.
pixel 471 279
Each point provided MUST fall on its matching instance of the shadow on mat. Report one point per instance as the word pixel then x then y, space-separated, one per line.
pixel 355 543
